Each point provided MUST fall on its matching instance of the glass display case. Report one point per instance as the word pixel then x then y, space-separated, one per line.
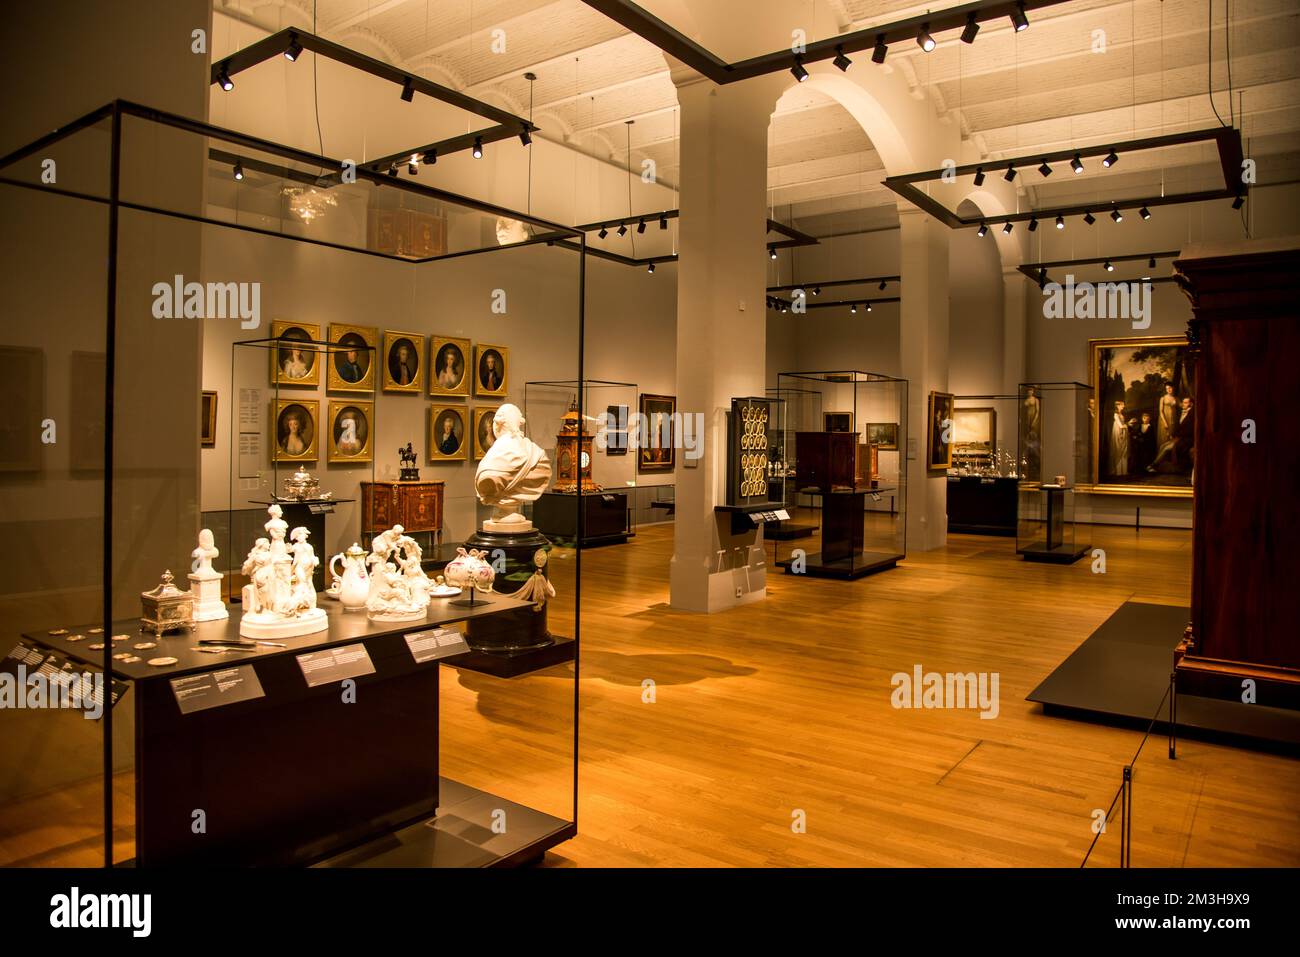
pixel 983 486
pixel 592 458
pixel 847 480
pixel 1053 425
pixel 434 724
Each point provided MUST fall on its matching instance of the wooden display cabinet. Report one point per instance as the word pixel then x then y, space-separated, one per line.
pixel 416 506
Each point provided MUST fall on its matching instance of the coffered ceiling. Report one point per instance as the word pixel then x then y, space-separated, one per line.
pixel 1046 88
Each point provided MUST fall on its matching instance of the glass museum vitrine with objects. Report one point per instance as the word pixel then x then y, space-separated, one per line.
pixel 264 545
pixel 848 477
pixel 1053 426
pixel 983 483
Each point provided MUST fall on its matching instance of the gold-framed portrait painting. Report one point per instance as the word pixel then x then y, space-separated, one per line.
pixel 293 430
pixel 448 436
pixel 351 428
pixel 657 445
pixel 491 370
pixel 938 450
pixel 292 364
pixel 449 366
pixel 483 434
pixel 208 421
pixel 403 365
pixel 352 368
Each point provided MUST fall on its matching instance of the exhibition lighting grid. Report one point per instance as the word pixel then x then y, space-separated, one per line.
pixel 920 29
pixel 1038 272
pixel 815 287
pixel 640 222
pixel 1226 138
pixel 780 305
pixel 291 43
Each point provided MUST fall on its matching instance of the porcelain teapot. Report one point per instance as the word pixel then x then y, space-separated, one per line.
pixel 469 569
pixel 353 586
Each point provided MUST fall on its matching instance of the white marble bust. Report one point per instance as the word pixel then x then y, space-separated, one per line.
pixel 515 470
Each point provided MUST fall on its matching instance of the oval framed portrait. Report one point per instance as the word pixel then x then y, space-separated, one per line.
pixel 351 426
pixel 351 363
pixel 491 370
pixel 403 367
pixel 293 364
pixel 293 430
pixel 449 366
pixel 448 437
pixel 483 434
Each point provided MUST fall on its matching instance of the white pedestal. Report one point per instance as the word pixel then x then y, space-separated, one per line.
pixel 208 605
pixel 268 625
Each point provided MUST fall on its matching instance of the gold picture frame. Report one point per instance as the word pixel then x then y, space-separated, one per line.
pixel 439 446
pixel 883 435
pixel 307 412
pixel 293 366
pixel 346 372
pixel 657 443
pixel 938 453
pixel 485 357
pixel 837 422
pixel 483 442
pixel 394 360
pixel 354 443
pixel 208 422
pixel 444 381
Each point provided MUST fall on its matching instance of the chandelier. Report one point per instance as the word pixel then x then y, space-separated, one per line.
pixel 307 202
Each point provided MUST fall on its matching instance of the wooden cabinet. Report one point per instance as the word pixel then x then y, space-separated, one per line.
pixel 825 460
pixel 416 506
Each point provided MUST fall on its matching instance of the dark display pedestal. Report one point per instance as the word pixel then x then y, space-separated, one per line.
pixel 843 555
pixel 982 506
pixel 519 632
pixel 1052 547
pixel 604 517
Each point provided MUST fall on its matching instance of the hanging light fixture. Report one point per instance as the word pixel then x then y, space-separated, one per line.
pixel 651 269
pixel 1010 173
pixel 640 227
pixel 841 60
pixel 1060 222
pixel 1111 159
pixel 1076 164
pixel 1018 18
pixel 1108 266
pixel 1088 217
pixel 1033 223
pixel 798 70
pixel 408 90
pixel 982 231
pixel 293 50
pixel 224 80
pixel 1045 169
pixel 923 38
pixel 1116 215
pixel 478 147
pixel 880 50
pixel 1144 213
pixel 972 28
pixel 1006 228
pixel 979 176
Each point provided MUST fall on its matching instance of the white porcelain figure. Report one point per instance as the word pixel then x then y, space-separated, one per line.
pixel 470 569
pixel 205 581
pixel 399 588
pixel 515 470
pixel 280 597
pixel 352 587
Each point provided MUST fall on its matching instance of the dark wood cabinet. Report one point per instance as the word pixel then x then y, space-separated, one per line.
pixel 416 506
pixel 825 460
pixel 605 516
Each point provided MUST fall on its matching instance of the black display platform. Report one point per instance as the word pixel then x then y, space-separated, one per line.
pixel 846 569
pixel 1058 555
pixel 506 665
pixel 787 531
pixel 1119 674
pixel 980 505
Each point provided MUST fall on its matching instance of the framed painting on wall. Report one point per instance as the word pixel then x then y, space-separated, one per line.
pixel 403 368
pixel 292 364
pixel 208 421
pixel 351 427
pixel 352 370
pixel 975 435
pixel 1143 416
pixel 449 368
pixel 938 448
pixel 483 434
pixel 491 370
pixel 448 436
pixel 293 430
pixel 616 430
pixel 657 445
pixel 837 421
pixel 883 435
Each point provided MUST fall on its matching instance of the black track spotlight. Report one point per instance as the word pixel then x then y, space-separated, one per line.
pixel 1116 215
pixel 882 285
pixel 413 166
pixel 841 60
pixel 478 148
pixel 1088 217
pixel 1006 228
pixel 982 231
pixel 650 269
pixel 1151 263
pixel 923 38
pixel 640 227
pixel 663 221
pixel 868 307
pixel 224 80
pixel 525 137
pixel 799 72
pixel 817 290
pixel 853 308
pixel 1042 276
pixel 1239 201
pixel 293 50
pixel 771 253
pixel 979 176
pixel 408 90
pixel 1060 222
pixel 1144 213
pixel 239 170
pixel 972 28
pixel 1018 18
pixel 622 229
pixel 603 232
pixel 1045 169
pixel 1076 164
pixel 1111 159
pixel 880 50
pixel 1010 174
pixel 430 158
pixel 392 170
pixel 1033 223
pixel 1108 266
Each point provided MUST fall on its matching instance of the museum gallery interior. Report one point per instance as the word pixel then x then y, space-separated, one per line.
pixel 662 434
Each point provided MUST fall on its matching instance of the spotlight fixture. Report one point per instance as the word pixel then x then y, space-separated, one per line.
pixel 1042 276
pixel 431 157
pixel 1045 169
pixel 1116 215
pixel 1109 266
pixel 783 308
pixel 650 269
pixel 817 290
pixel 923 38
pixel 1111 159
pixel 1144 213
pixel 1006 228
pixel 972 28
pixel 878 54
pixel 603 232
pixel 408 90
pixel 1060 222
pixel 622 229
pixel 413 167
pixel 1010 173
pixel 1033 223
pixel 239 170
pixel 853 308
pixel 1151 263
pixel 392 169
pixel 293 50
pixel 1018 18
pixel 841 60
pixel 640 226
pixel 663 221
pixel 1239 201
pixel 799 72
pixel 478 147
pixel 1076 164
pixel 979 176
pixel 224 80
pixel 882 285
pixel 984 228
pixel 868 307
pixel 772 253
pixel 525 137
pixel 1088 217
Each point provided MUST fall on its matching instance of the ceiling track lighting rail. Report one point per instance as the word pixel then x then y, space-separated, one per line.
pixel 1039 272
pixel 661 217
pixel 1226 138
pixel 783 305
pixel 964 18
pixel 832 283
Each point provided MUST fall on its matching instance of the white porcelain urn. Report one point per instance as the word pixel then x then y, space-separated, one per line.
pixel 353 585
pixel 469 569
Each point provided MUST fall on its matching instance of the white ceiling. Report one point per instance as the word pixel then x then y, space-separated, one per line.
pixel 1011 93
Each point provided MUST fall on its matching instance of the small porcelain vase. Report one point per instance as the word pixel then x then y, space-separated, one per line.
pixel 353 586
pixel 469 570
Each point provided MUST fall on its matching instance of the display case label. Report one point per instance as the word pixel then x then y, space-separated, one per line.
pixel 434 644
pixel 212 689
pixel 335 664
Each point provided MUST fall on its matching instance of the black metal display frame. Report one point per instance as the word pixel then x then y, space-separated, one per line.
pixel 1038 271
pixel 114 114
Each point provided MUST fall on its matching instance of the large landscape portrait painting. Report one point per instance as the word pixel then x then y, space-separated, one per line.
pixel 1143 416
